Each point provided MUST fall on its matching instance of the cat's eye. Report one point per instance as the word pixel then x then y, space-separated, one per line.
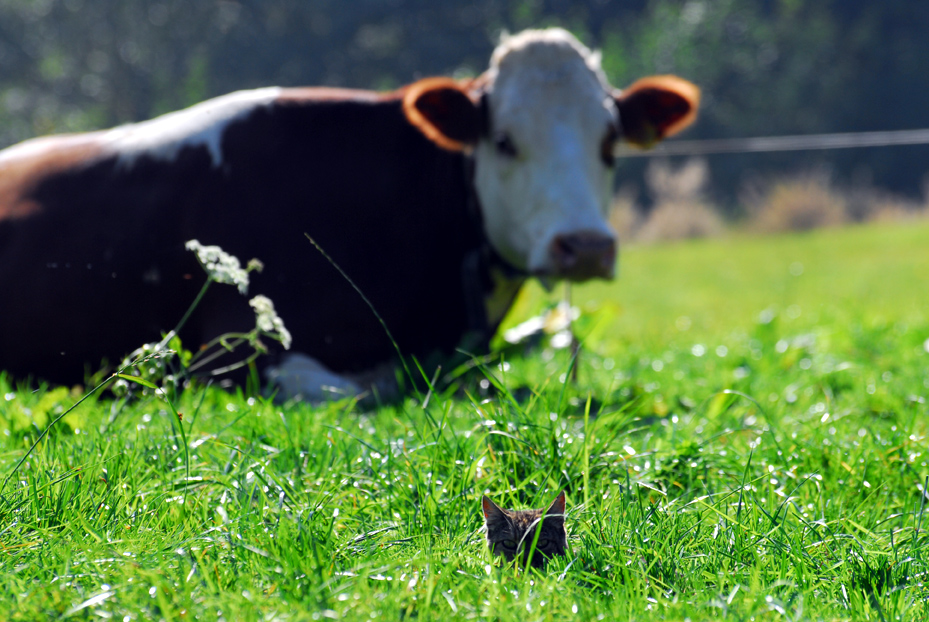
pixel 509 544
pixel 543 543
pixel 505 145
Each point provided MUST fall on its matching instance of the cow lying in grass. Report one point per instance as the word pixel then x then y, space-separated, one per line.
pixel 438 200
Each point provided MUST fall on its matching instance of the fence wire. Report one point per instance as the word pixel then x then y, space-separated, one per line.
pixel 768 144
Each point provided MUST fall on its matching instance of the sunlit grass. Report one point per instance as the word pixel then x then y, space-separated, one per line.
pixel 747 438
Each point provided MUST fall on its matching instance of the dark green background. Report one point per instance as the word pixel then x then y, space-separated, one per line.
pixel 767 67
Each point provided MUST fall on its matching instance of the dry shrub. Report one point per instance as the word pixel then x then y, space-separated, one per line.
pixel 798 204
pixel 685 183
pixel 680 208
pixel 898 211
pixel 883 207
pixel 866 204
pixel 625 217
pixel 680 221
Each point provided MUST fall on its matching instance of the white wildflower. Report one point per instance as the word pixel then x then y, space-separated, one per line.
pixel 268 321
pixel 220 265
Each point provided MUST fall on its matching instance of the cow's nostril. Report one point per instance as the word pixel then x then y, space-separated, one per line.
pixel 564 251
pixel 583 255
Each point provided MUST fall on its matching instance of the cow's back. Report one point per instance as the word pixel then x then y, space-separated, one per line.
pixel 91 252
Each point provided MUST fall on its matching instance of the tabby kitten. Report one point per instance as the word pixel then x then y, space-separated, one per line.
pixel 510 532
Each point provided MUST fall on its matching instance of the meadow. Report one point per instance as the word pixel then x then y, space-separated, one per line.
pixel 745 439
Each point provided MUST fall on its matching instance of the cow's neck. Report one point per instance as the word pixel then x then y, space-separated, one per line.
pixel 490 282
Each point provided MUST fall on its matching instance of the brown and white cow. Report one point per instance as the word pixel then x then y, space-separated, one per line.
pixel 438 200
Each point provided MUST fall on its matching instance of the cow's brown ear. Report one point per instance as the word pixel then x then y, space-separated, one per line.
pixel 442 110
pixel 656 107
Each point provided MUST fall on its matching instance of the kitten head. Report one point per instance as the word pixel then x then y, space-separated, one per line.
pixel 510 533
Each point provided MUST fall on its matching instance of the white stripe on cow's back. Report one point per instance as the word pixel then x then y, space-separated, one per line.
pixel 32 148
pixel 203 124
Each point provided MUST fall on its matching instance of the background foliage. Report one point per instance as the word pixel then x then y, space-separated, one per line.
pixel 767 67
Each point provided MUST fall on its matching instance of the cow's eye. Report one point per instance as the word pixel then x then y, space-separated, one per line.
pixel 505 145
pixel 607 146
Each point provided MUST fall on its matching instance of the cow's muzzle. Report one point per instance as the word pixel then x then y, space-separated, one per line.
pixel 583 255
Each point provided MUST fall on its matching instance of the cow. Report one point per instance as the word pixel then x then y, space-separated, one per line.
pixel 433 204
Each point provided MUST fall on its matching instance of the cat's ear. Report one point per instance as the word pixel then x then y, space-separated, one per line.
pixel 557 506
pixel 492 511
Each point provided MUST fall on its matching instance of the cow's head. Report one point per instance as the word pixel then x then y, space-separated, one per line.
pixel 542 124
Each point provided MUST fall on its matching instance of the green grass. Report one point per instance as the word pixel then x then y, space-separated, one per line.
pixel 745 441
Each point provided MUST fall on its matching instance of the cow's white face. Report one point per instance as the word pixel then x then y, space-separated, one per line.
pixel 541 124
pixel 540 172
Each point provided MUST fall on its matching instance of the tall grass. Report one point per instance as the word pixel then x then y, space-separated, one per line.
pixel 746 439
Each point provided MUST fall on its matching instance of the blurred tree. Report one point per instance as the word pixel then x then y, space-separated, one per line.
pixel 78 64
pixel 766 66
pixel 790 67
